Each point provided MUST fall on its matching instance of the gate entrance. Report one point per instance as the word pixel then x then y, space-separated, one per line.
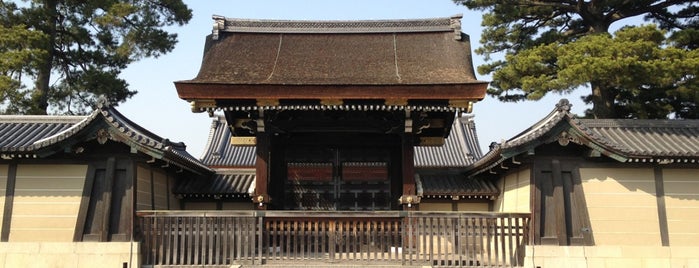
pixel 337 178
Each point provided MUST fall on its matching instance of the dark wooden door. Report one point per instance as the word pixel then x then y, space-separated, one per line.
pixel 337 178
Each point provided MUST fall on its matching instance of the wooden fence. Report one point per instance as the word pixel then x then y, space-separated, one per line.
pixel 222 238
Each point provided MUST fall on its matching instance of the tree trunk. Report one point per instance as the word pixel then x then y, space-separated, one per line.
pixel 602 101
pixel 40 96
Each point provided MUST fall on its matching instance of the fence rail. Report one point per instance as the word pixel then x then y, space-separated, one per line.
pixel 219 238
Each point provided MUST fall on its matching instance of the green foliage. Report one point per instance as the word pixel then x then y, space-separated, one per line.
pixel 78 49
pixel 16 57
pixel 644 71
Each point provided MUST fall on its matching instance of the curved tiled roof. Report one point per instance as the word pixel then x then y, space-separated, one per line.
pixel 219 152
pixel 29 136
pixel 282 52
pixel 460 149
pixel 637 137
pixel 626 140
pixel 225 183
pixel 18 133
pixel 455 185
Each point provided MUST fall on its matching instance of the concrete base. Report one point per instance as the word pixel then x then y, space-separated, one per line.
pixel 611 256
pixel 70 254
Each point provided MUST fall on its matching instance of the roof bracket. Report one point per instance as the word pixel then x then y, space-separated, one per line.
pixel 514 161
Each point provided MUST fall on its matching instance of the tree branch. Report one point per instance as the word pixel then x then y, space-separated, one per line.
pixel 622 14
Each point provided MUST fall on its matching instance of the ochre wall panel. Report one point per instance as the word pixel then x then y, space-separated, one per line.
pixel 463 206
pixel 682 206
pixel 46 202
pixel 622 205
pixel 514 192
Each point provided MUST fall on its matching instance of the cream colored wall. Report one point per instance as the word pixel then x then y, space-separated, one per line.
pixel 622 205
pixel 481 206
pixel 160 189
pixel 143 189
pixel 611 256
pixel 3 189
pixel 514 192
pixel 70 255
pixel 682 206
pixel 46 202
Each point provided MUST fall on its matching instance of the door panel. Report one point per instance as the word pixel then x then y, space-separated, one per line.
pixel 337 178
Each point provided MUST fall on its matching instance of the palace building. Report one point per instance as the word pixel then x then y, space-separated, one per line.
pixel 346 143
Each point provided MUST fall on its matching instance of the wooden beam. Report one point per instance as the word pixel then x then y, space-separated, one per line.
pixel 243 141
pixel 535 204
pixel 199 105
pixel 548 223
pixel 84 203
pixel 129 200
pixel 107 198
pixel 9 201
pixel 662 209
pixel 408 169
pixel 213 91
pixel 581 210
pixel 261 197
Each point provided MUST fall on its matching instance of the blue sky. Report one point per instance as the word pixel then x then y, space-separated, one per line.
pixel 158 108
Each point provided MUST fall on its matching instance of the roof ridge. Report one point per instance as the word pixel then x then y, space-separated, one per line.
pixel 41 118
pixel 224 24
pixel 640 123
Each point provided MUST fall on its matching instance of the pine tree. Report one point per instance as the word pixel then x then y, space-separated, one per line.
pixel 66 53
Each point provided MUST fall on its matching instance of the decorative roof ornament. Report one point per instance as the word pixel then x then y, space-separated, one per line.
pixel 102 102
pixel 455 23
pixel 219 24
pixel 564 138
pixel 563 105
pixel 102 136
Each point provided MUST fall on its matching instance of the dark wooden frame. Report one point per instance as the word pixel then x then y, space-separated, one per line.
pixel 9 200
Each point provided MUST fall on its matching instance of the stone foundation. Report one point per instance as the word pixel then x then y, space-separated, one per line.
pixel 70 254
pixel 611 256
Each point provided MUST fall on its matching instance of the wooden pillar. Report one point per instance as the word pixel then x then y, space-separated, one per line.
pixel 560 210
pixel 9 201
pixel 261 198
pixel 582 216
pixel 123 217
pixel 662 209
pixel 408 172
pixel 107 198
pixel 548 224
